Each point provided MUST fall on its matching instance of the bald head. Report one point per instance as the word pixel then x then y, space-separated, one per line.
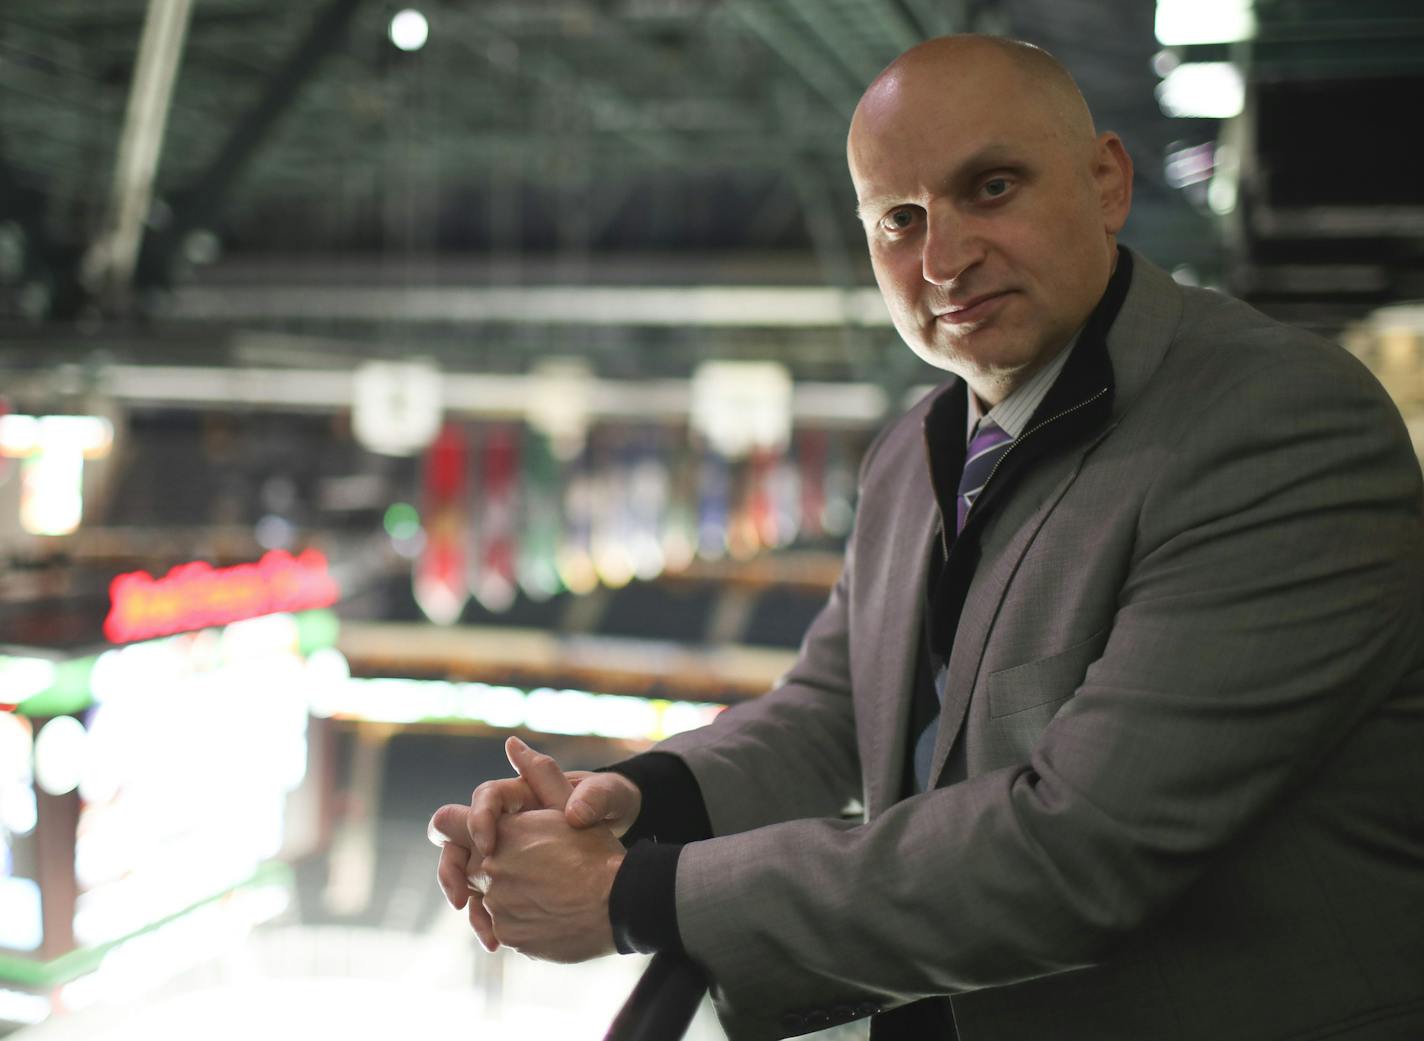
pixel 947 63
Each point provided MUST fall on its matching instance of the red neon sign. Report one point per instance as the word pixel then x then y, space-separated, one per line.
pixel 198 595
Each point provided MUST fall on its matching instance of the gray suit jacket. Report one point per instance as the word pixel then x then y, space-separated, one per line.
pixel 1189 685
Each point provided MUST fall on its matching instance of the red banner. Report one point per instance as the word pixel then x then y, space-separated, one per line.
pixel 198 595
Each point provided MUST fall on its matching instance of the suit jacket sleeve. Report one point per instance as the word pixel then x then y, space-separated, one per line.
pixel 1270 601
pixel 791 753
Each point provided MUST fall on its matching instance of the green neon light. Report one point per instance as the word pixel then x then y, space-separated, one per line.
pixel 317 629
pixel 67 694
pixel 40 975
pixel 69 691
pixel 401 520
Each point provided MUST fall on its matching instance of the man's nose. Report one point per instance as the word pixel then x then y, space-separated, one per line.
pixel 951 246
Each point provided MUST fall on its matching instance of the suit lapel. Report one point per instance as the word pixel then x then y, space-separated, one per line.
pixel 889 652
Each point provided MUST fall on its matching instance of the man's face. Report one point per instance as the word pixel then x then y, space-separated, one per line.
pixel 991 228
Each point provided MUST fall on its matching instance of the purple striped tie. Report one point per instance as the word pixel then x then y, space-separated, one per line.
pixel 986 448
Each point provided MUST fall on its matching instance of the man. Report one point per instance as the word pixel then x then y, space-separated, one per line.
pixel 1125 663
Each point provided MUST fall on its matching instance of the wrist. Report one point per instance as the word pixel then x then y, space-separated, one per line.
pixel 612 866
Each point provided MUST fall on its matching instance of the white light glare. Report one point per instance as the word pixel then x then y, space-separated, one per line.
pixel 1188 166
pixel 409 30
pixel 22 678
pixel 742 405
pixel 1203 90
pixel 1181 23
pixel 1164 61
pixel 18 1007
pixel 59 755
pixel 53 449
pixel 1225 182
pixel 549 711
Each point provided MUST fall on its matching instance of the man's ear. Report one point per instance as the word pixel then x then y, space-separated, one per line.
pixel 1112 170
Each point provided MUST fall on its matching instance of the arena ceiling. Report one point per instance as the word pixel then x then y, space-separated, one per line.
pixel 623 143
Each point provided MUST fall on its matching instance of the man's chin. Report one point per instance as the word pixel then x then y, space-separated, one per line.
pixel 991 378
pixel 976 358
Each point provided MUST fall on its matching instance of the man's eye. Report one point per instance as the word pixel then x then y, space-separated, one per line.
pixel 897 220
pixel 996 186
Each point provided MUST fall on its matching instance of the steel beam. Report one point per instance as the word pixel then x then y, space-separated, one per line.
pixel 818 18
pixel 108 267
pixel 837 91
pixel 205 196
pixel 585 92
pixel 898 23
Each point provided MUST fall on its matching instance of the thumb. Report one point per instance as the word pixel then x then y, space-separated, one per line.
pixel 598 798
pixel 540 772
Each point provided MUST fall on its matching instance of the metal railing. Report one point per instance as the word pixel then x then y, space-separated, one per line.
pixel 662 1005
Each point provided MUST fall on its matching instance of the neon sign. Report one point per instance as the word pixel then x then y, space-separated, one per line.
pixel 197 595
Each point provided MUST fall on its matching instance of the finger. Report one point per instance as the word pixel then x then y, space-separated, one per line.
pixel 490 801
pixel 447 824
pixel 482 925
pixel 489 805
pixel 505 795
pixel 540 772
pixel 452 874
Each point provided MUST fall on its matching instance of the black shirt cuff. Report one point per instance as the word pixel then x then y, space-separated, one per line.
pixel 642 906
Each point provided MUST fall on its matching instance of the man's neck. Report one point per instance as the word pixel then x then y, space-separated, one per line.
pixel 1012 411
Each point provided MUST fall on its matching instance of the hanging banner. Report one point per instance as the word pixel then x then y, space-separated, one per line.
pixel 811 462
pixel 679 526
pixel 540 521
pixel 441 584
pixel 496 507
pixel 575 553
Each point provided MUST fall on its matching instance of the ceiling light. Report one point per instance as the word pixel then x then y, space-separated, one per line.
pixel 1204 90
pixel 409 30
pixel 1181 23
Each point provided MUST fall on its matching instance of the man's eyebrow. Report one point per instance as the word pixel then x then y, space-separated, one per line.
pixel 993 155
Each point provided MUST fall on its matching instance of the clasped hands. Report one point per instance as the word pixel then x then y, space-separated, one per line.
pixel 531 859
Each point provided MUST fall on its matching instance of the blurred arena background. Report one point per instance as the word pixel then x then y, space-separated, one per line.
pixel 380 381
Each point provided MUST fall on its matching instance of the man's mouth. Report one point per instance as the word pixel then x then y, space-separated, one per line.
pixel 972 310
